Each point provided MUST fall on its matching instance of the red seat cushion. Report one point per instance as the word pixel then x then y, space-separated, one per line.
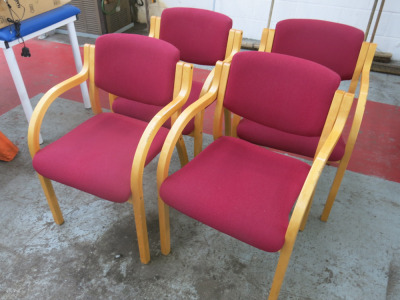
pixel 238 188
pixel 273 138
pixel 146 112
pixel 96 157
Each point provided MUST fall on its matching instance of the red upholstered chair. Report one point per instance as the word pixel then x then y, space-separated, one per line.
pixel 105 155
pixel 203 37
pixel 336 46
pixel 245 190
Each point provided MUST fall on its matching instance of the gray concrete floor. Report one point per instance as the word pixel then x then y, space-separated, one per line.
pixel 94 255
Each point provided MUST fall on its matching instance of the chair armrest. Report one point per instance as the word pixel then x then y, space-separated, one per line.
pixel 176 131
pixel 317 167
pixel 155 124
pixel 155 23
pixel 267 39
pixel 41 108
pixel 330 119
pixel 236 44
pixel 361 102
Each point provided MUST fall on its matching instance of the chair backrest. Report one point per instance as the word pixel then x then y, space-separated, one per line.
pixel 136 67
pixel 334 45
pixel 200 35
pixel 280 91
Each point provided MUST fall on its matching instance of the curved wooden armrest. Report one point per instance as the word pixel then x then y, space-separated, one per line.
pixel 364 82
pixel 267 39
pixel 48 98
pixel 361 102
pixel 176 130
pixel 318 165
pixel 155 124
pixel 154 31
pixel 236 44
pixel 330 119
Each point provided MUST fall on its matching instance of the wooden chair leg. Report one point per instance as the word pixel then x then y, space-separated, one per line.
pixel 334 189
pixel 163 215
pixel 227 118
pixel 182 152
pixel 283 262
pixel 198 133
pixel 305 218
pixel 198 143
pixel 48 190
pixel 141 227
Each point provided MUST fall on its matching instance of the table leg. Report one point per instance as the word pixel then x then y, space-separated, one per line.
pixel 19 84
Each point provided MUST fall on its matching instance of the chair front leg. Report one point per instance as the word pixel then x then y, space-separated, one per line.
pixel 141 226
pixel 163 216
pixel 283 262
pixel 48 190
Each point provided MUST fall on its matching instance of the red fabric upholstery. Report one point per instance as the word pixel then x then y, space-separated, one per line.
pixel 269 137
pixel 281 91
pixel 201 35
pixel 96 157
pixel 136 67
pixel 238 188
pixel 146 112
pixel 333 45
pixel 134 109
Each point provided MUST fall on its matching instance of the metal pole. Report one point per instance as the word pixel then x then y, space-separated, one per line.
pixel 146 5
pixel 270 13
pixel 378 17
pixel 371 17
pixel 214 5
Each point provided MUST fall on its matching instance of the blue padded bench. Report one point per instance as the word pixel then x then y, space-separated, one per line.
pixel 33 27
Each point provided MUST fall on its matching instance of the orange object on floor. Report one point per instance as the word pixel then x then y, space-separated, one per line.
pixel 7 149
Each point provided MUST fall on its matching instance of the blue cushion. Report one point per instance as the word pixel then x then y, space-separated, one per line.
pixel 38 22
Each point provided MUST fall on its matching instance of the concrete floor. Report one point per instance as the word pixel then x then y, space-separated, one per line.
pixel 94 255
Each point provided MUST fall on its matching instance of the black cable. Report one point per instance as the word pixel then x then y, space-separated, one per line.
pixel 17 25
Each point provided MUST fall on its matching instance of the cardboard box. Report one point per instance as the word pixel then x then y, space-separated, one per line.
pixel 25 9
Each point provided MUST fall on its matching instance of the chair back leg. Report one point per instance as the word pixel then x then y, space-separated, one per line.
pixel 335 187
pixel 51 199
pixel 305 218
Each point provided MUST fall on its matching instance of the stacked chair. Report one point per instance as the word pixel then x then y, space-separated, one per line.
pixel 337 46
pixel 287 100
pixel 105 155
pixel 146 95
pixel 242 189
pixel 203 37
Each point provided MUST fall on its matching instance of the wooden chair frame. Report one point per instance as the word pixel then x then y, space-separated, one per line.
pixel 233 47
pixel 360 75
pixel 332 131
pixel 182 86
